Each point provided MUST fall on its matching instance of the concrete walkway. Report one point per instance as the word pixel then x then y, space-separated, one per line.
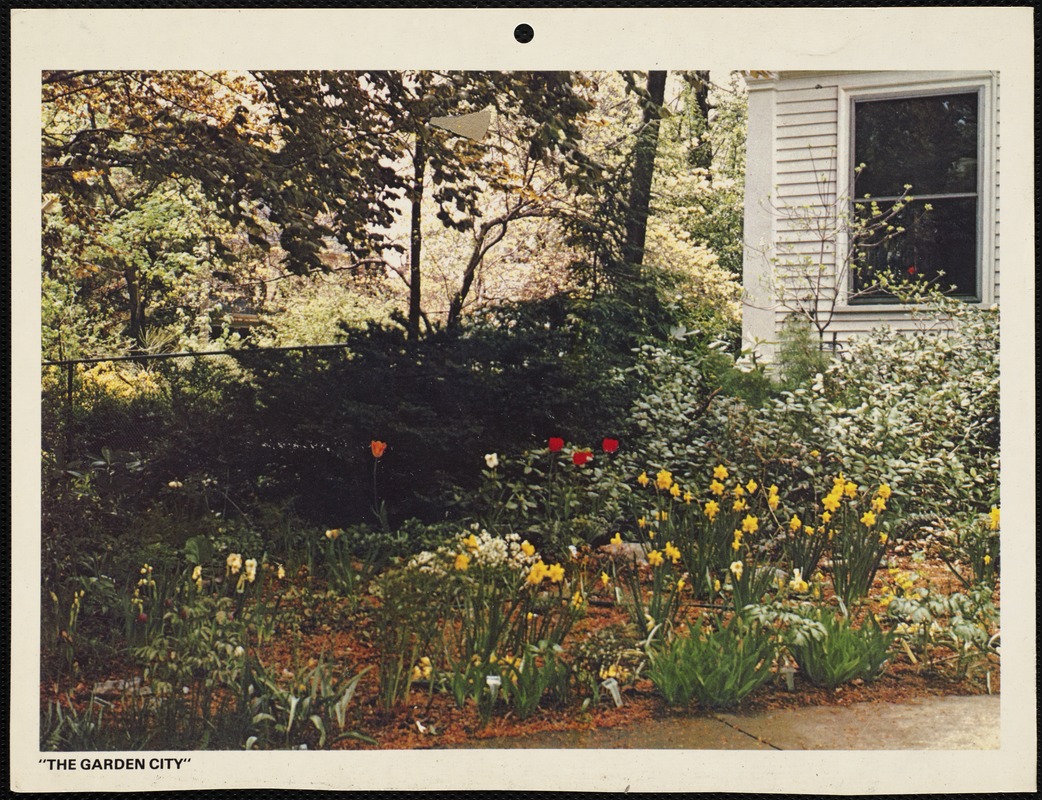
pixel 933 723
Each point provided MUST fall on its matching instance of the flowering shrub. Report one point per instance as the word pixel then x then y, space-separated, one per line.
pixel 917 410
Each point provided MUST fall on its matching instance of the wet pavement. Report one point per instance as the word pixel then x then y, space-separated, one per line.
pixel 933 723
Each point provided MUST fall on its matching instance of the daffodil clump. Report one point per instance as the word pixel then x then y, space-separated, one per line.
pixel 470 610
pixel 701 532
pixel 857 534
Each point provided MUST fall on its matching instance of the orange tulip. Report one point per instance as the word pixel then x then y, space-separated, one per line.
pixel 377 447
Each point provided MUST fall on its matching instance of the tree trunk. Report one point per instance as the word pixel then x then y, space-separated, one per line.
pixel 482 244
pixel 136 306
pixel 416 239
pixel 643 172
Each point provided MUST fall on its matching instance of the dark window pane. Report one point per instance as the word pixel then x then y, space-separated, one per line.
pixel 928 142
pixel 942 239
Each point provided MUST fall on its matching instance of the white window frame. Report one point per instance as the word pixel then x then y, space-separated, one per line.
pixel 888 86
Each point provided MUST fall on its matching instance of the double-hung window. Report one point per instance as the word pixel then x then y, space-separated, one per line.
pixel 931 144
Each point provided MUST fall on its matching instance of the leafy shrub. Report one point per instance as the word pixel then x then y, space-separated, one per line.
pixel 719 664
pixel 843 653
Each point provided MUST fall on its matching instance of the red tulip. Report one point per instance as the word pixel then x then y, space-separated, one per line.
pixel 911 270
pixel 580 457
pixel 142 617
pixel 555 444
pixel 610 445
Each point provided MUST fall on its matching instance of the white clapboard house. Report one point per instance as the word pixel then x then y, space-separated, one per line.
pixel 809 132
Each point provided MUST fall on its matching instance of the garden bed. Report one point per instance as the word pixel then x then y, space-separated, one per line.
pixel 337 630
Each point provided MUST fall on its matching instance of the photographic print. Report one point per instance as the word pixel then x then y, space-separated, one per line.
pixel 566 383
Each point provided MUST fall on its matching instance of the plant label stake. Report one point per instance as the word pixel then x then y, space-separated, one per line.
pixel 612 686
pixel 493 682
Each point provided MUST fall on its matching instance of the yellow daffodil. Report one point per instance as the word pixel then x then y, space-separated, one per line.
pixel 884 492
pixel 716 585
pixel 739 491
pixel 642 522
pixel 471 542
pixel 794 523
pixel 797 584
pixel 527 548
pixel 850 490
pixel 234 563
pixel 675 490
pixel 655 558
pixel 808 529
pixel 720 473
pixel 814 454
pixel 536 573
pixel 712 508
pixel 577 600
pixel 688 497
pixel 662 516
pixel 643 479
pixel 773 502
pixel 826 517
pixel 281 572
pixel 462 562
pixel 751 486
pixel 739 505
pixel 616 539
pixel 868 519
pixel 878 504
pixel 750 524
pixel 250 569
pixel 883 537
pixel 664 479
pixel 736 569
pixel 555 572
pixel 716 488
pixel 993 518
pixel 830 502
pixel 605 579
pixel 651 534
pixel 672 553
pixel 987 559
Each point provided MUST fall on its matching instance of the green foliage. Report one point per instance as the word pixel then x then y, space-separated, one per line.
pixel 701 170
pixel 844 653
pixel 800 354
pixel 966 622
pixel 718 664
pixel 970 548
pixel 548 499
pixel 922 410
pixel 300 715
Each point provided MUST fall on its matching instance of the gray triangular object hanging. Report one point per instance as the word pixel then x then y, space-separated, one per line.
pixel 471 126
